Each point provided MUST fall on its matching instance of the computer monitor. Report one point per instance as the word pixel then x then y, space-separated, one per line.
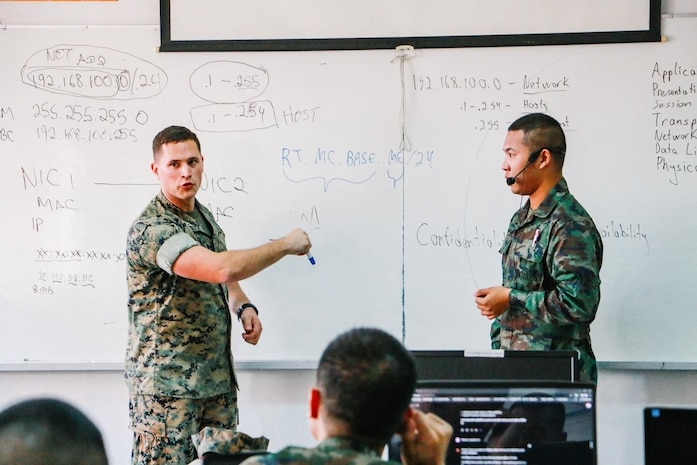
pixel 669 435
pixel 512 422
pixel 559 365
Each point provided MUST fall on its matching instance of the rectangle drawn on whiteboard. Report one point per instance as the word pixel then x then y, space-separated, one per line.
pixel 267 25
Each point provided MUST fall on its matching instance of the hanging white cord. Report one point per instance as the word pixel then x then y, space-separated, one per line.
pixel 403 53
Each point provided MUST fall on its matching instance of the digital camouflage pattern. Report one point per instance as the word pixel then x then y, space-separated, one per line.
pixel 331 451
pixel 179 329
pixel 164 426
pixel 554 280
pixel 226 441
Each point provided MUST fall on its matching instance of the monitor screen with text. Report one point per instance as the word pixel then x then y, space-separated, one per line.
pixel 521 423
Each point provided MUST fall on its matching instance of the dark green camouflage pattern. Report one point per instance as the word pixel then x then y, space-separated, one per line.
pixel 331 451
pixel 555 282
pixel 179 329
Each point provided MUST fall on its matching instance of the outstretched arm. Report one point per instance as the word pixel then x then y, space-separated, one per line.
pixel 202 264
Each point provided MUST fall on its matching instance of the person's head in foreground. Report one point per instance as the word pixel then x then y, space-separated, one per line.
pixel 47 431
pixel 365 380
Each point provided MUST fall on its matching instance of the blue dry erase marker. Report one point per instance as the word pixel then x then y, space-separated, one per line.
pixel 310 257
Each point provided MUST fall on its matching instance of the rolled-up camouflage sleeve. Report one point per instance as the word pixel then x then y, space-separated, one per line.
pixel 172 248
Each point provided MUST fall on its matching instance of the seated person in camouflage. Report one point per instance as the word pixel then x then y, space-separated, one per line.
pixel 365 381
pixel 45 431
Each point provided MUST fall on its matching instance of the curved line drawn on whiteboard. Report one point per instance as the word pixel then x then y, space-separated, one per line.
pixel 328 165
pixel 93 72
pixel 229 87
pixel 228 82
pixel 326 182
pixel 234 117
pixel 395 179
pixel 349 161
pixel 532 85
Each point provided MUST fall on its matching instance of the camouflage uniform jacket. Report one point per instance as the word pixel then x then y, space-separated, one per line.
pixel 331 451
pixel 551 259
pixel 179 329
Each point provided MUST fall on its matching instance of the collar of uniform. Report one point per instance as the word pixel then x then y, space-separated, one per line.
pixel 184 216
pixel 525 214
pixel 166 203
pixel 162 198
pixel 552 199
pixel 352 444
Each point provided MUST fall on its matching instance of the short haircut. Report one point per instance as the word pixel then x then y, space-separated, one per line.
pixel 367 377
pixel 173 134
pixel 541 131
pixel 46 431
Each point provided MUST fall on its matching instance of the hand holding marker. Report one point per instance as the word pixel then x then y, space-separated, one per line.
pixel 309 255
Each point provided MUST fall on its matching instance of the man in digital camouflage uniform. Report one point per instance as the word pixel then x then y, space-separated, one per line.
pixel 552 253
pixel 365 380
pixel 182 287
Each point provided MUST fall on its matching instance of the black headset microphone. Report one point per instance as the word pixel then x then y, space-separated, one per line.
pixel 511 181
pixel 531 160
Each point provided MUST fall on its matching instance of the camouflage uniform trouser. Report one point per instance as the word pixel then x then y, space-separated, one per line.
pixel 162 426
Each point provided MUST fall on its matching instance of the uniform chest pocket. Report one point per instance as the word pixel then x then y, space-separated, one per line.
pixel 523 264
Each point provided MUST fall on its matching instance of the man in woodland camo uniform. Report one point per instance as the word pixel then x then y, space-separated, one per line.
pixel 552 253
pixel 182 288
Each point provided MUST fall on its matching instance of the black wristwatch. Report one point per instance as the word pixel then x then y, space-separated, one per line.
pixel 242 307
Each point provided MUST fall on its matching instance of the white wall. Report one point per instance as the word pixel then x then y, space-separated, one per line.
pixel 273 402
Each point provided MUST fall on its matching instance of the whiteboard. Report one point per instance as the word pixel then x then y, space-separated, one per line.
pixel 402 236
pixel 268 20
